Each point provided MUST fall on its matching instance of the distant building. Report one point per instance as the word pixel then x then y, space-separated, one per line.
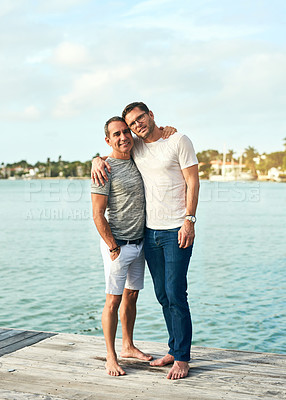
pixel 221 168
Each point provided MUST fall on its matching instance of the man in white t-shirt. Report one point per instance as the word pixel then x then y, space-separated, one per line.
pixel 169 170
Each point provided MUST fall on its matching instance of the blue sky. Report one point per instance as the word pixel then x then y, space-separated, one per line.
pixel 214 69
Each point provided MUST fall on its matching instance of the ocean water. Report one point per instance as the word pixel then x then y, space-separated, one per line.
pixel 51 272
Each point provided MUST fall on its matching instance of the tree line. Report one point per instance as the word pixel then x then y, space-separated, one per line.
pixel 251 160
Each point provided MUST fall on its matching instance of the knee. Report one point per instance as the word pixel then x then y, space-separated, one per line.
pixel 162 299
pixel 130 296
pixel 112 303
pixel 177 300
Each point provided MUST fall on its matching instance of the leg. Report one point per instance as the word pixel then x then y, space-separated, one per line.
pixel 109 325
pixel 127 317
pixel 154 254
pixel 177 262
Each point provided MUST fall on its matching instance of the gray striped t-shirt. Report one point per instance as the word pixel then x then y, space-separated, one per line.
pixel 126 200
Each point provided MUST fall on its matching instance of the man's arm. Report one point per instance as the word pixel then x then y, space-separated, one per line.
pixel 186 234
pixel 99 203
pixel 98 173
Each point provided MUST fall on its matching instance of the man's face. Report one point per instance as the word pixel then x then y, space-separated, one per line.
pixel 120 137
pixel 140 122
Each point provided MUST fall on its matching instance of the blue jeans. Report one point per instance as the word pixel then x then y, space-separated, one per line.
pixel 168 265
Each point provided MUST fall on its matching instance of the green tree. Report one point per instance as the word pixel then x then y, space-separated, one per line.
pixel 284 164
pixel 205 157
pixel 229 155
pixel 249 155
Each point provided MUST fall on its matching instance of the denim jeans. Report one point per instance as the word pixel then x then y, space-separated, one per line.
pixel 168 265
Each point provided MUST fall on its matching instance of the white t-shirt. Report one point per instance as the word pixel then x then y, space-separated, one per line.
pixel 160 164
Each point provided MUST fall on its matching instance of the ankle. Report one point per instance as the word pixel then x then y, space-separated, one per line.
pixel 127 345
pixel 111 356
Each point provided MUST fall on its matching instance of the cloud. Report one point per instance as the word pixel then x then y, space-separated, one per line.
pixel 7 7
pixel 213 65
pixel 39 57
pixel 29 113
pixel 70 54
pixel 60 5
pixel 90 89
pixel 147 6
pixel 255 84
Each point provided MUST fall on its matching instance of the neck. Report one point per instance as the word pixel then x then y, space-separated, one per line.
pixel 154 136
pixel 120 156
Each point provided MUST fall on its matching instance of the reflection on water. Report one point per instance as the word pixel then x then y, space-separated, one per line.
pixel 52 273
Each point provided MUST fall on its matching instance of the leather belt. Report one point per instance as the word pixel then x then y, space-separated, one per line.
pixel 123 242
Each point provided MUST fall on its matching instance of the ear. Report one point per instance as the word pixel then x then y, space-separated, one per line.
pixel 107 140
pixel 151 114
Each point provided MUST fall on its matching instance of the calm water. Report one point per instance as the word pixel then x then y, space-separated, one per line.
pixel 52 274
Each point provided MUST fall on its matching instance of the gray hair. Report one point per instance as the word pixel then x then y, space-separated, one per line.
pixel 116 118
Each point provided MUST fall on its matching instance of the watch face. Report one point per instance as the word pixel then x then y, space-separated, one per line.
pixel 191 218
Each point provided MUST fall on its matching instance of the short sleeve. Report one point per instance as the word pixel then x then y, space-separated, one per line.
pixel 102 189
pixel 186 153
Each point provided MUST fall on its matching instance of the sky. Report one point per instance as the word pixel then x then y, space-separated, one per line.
pixel 214 69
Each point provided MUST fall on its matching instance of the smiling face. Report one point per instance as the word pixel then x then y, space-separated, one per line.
pixel 120 139
pixel 141 123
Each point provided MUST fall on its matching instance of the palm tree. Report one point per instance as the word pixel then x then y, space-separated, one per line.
pixel 229 155
pixel 250 154
pixel 48 168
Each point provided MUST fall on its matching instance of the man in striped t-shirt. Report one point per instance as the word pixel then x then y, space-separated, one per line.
pixel 121 242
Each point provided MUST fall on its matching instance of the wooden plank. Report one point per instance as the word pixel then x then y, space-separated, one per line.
pixel 198 377
pixel 70 366
pixel 9 333
pixel 3 330
pixel 134 368
pixel 79 351
pixel 14 337
pixel 15 395
pixel 21 340
pixel 91 385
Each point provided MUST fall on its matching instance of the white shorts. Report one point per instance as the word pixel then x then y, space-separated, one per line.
pixel 126 271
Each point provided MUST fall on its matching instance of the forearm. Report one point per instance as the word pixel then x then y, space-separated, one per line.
pixel 102 157
pixel 186 234
pixel 192 196
pixel 104 230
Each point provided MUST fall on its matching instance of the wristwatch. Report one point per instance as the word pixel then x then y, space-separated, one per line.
pixel 191 218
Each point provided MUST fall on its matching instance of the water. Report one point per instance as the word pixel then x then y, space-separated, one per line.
pixel 52 274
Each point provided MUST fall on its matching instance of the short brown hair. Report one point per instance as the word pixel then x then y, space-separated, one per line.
pixel 129 108
pixel 112 119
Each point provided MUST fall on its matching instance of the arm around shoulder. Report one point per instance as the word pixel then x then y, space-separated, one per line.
pixel 98 172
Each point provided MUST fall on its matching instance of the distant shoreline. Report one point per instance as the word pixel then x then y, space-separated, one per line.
pixel 84 178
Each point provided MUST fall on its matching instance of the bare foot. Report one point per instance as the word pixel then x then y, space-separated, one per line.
pixel 133 352
pixel 179 370
pixel 167 359
pixel 112 367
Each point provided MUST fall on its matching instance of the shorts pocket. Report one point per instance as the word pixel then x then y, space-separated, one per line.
pixel 118 257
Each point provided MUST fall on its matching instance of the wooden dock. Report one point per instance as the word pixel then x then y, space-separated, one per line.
pixel 49 366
